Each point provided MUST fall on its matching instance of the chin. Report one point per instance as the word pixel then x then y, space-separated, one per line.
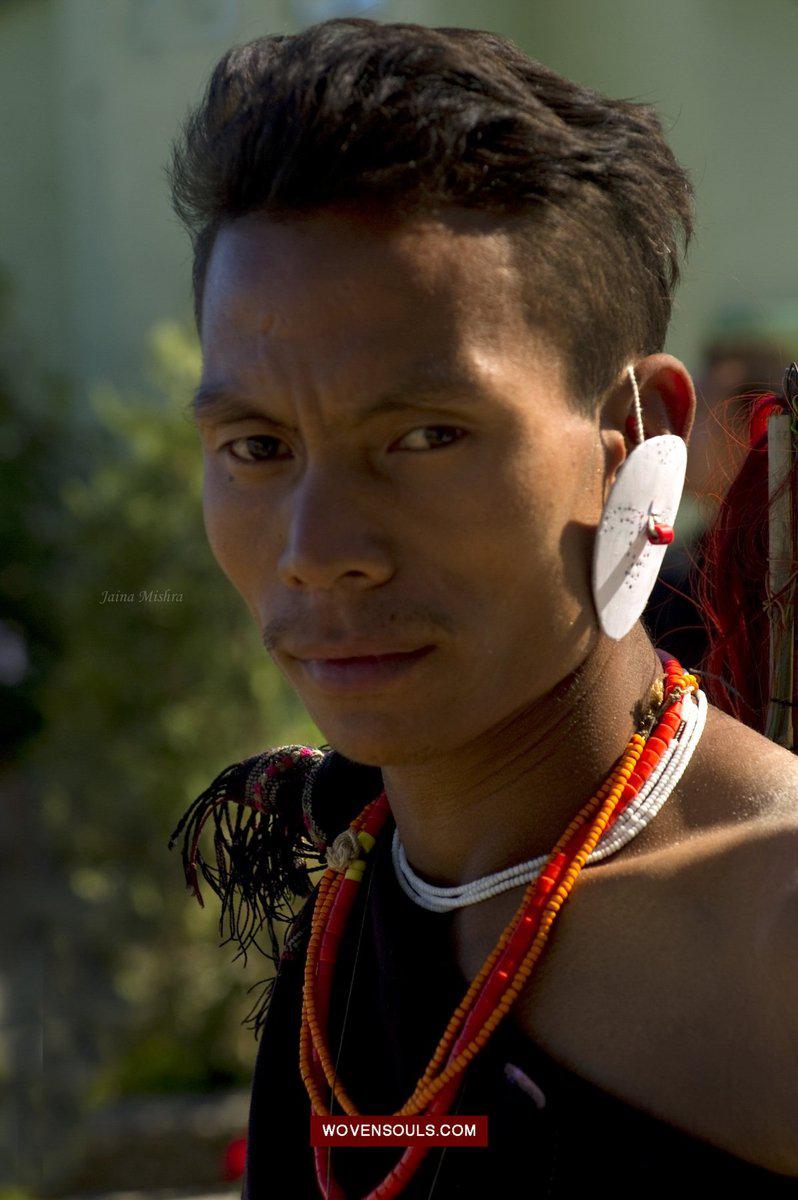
pixel 378 741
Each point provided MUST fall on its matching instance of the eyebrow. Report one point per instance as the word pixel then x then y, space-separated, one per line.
pixel 219 402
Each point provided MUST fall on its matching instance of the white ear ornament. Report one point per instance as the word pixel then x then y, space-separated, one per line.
pixel 636 526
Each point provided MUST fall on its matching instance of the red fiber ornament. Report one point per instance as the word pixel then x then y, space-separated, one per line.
pixel 762 409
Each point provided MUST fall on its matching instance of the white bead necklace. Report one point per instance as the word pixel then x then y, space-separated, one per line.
pixel 645 806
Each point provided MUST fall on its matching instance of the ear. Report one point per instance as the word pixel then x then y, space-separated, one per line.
pixel 667 398
pixel 667 403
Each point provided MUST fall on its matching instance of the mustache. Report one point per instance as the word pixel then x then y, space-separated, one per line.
pixel 278 630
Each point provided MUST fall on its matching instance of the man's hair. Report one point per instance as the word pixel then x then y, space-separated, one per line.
pixel 413 120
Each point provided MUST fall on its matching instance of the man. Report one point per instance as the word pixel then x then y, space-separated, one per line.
pixel 422 264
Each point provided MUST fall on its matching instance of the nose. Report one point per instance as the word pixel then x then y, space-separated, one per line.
pixel 335 530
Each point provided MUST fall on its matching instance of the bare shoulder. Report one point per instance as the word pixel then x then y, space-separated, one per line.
pixel 751 776
pixel 700 929
pixel 754 844
pixel 739 818
pixel 748 898
pixel 728 833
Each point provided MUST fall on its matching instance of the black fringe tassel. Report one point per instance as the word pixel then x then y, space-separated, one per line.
pixel 273 814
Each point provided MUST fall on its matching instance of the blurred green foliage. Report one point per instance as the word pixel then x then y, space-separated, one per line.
pixel 126 711
pixel 150 701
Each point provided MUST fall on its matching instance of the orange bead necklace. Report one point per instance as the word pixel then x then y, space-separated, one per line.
pixel 507 968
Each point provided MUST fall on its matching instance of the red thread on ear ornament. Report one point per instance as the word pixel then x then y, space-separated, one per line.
pixel 659 533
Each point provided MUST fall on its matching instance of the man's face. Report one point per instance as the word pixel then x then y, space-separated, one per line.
pixel 461 516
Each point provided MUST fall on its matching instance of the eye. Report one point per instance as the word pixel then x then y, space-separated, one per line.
pixel 449 429
pixel 251 449
pixel 257 449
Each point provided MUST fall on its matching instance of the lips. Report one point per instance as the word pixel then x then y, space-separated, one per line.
pixel 363 672
pixel 370 658
pixel 351 650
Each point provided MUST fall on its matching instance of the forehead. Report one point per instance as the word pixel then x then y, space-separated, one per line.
pixel 341 281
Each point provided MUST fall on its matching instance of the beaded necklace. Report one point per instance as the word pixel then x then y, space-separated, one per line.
pixel 510 963
pixel 626 826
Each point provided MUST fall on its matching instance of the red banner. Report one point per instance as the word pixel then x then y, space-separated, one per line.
pixel 398 1131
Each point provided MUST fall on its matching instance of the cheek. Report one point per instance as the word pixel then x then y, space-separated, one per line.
pixel 233 530
pixel 497 554
pixel 532 532
pixel 523 505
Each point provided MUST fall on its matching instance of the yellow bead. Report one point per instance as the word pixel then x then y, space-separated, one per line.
pixel 366 840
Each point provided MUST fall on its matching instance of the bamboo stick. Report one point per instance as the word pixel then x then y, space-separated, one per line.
pixel 781 613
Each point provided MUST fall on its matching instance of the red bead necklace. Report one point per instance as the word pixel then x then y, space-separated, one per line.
pixel 506 969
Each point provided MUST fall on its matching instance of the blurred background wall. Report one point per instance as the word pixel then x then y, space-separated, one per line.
pixel 113 988
pixel 94 89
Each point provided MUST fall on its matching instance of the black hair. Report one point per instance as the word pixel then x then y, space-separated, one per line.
pixel 412 119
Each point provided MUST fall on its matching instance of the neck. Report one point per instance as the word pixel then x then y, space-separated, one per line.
pixel 510 794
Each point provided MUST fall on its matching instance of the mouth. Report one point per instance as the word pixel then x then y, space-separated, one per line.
pixel 364 672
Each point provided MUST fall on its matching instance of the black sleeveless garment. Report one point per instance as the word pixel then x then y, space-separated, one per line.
pixel 552 1134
